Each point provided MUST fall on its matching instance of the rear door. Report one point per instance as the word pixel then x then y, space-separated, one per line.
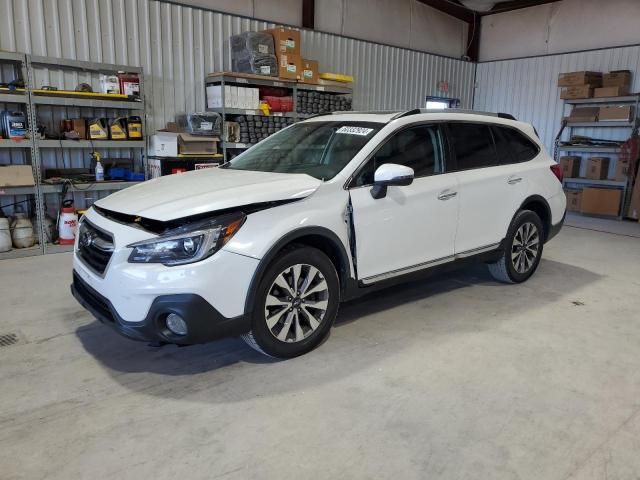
pixel 414 225
pixel 490 188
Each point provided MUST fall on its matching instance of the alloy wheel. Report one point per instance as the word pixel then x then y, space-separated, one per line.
pixel 296 303
pixel 525 247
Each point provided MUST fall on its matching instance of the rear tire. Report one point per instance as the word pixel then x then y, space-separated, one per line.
pixel 522 250
pixel 296 303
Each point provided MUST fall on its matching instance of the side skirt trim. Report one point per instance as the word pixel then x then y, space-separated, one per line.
pixel 429 264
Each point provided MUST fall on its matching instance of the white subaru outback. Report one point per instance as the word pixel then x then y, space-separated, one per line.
pixel 268 245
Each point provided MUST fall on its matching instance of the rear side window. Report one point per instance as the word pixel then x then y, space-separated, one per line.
pixel 473 145
pixel 513 146
pixel 418 147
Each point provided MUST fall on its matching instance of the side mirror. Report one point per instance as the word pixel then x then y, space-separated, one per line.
pixel 388 175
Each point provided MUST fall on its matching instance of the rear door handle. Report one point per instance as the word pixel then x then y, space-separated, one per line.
pixel 447 195
pixel 513 180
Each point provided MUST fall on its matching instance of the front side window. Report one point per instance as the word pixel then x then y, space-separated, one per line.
pixel 473 145
pixel 319 149
pixel 418 147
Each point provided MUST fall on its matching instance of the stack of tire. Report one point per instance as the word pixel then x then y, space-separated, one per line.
pixel 310 102
pixel 254 128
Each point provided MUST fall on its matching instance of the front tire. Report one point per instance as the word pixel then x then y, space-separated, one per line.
pixel 295 304
pixel 522 250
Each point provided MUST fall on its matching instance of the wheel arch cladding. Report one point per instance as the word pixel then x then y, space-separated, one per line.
pixel 317 237
pixel 540 206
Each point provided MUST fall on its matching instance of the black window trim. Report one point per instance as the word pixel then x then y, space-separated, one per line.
pixel 446 152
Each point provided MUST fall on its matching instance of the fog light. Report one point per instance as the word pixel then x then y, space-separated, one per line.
pixel 176 324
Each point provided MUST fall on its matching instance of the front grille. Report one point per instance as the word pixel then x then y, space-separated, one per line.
pixel 93 298
pixel 95 247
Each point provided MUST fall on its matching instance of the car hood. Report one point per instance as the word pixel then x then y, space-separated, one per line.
pixel 186 194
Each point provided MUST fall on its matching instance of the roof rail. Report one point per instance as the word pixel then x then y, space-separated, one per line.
pixel 416 111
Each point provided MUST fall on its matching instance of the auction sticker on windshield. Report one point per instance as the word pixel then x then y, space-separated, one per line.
pixel 355 131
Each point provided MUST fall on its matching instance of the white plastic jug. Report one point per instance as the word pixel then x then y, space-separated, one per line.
pixel 22 232
pixel 5 235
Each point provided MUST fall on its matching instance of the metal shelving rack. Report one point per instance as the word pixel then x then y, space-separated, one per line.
pixel 22 98
pixel 32 101
pixel 248 80
pixel 631 125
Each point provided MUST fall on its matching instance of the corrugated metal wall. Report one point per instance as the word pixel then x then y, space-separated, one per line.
pixel 527 88
pixel 178 45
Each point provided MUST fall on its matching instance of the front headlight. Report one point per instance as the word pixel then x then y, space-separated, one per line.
pixel 188 244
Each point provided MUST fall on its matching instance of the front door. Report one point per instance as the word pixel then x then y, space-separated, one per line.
pixel 413 226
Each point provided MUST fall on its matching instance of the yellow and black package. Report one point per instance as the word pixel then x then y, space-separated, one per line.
pixel 134 128
pixel 98 129
pixel 118 129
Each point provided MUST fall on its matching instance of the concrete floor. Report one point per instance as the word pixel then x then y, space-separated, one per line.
pixel 458 377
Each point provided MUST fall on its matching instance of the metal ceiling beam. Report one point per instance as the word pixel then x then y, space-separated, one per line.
pixel 515 5
pixel 308 14
pixel 455 10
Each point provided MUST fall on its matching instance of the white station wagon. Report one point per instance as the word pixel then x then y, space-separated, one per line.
pixel 268 245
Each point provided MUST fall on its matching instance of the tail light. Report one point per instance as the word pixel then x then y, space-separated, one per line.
pixel 556 169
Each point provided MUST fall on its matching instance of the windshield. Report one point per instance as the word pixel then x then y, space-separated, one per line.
pixel 319 149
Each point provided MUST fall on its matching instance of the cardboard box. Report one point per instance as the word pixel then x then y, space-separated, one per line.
pixel 624 169
pixel 16 176
pixel 634 205
pixel 214 96
pixel 574 199
pixel 197 145
pixel 571 79
pixel 250 98
pixel 570 166
pixel 584 114
pixel 164 144
pixel 580 91
pixel 234 99
pixel 622 113
pixel 604 92
pixel 159 167
pixel 310 71
pixel 286 41
pixel 617 78
pixel 598 168
pixel 289 66
pixel 601 201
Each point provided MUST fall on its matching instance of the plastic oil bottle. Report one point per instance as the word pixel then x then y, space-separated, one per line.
pixel 99 167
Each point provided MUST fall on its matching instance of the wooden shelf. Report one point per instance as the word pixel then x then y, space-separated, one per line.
pixel 97 186
pixel 600 183
pixel 91 144
pixel 585 149
pixel 63 101
pixel 594 101
pixel 19 97
pixel 248 79
pixel 15 143
pixel 26 190
pixel 602 124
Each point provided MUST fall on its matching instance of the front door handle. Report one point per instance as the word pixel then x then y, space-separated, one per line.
pixel 513 180
pixel 447 195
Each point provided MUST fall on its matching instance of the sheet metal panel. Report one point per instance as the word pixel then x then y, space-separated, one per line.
pixel 527 88
pixel 178 45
